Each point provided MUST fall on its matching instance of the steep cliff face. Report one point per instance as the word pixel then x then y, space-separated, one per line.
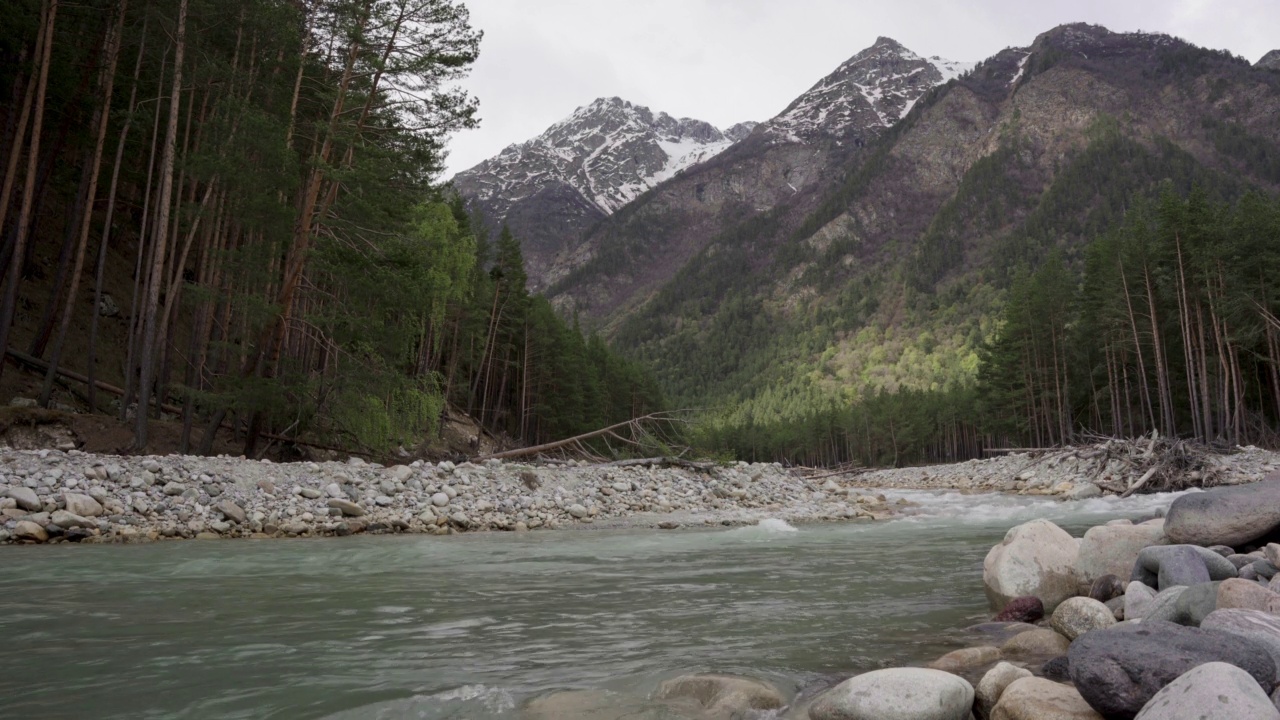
pixel 779 170
pixel 553 188
pixel 890 277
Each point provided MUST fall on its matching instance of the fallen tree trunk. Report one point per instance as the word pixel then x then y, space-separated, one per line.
pixel 665 462
pixel 637 426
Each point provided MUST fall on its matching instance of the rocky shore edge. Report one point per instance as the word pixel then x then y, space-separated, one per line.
pixel 1173 617
pixel 52 496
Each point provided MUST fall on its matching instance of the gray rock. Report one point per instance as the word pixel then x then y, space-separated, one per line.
pixel 26 498
pixel 1265 569
pixel 1113 549
pixel 1234 515
pixel 1210 691
pixel 346 507
pixel 1147 567
pixel 1138 597
pixel 1164 606
pixel 1077 616
pixel 173 488
pixel 440 499
pixel 992 686
pixel 310 493
pixel 576 511
pixel 1241 561
pixel 64 519
pixel 1196 602
pixel 1256 625
pixel 1057 669
pixel 896 694
pixel 383 501
pixel 333 490
pixel 1181 566
pixel 231 511
pixel 82 505
pixel 1118 670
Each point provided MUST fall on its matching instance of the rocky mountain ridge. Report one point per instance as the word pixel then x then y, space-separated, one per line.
pixel 586 167
pixel 552 190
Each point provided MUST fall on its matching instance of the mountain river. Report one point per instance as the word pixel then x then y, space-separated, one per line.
pixel 471 626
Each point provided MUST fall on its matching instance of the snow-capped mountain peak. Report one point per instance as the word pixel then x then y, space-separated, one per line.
pixel 872 90
pixel 610 151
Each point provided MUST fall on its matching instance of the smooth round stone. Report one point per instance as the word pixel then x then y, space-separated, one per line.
pixel 1247 595
pixel 1118 670
pixel 993 684
pixel 1150 560
pixel 897 694
pixel 1079 615
pixel 1039 699
pixel 1232 516
pixel 440 499
pixel 1211 691
pixel 594 704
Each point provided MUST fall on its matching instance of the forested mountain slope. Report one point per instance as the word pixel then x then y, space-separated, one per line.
pixel 892 277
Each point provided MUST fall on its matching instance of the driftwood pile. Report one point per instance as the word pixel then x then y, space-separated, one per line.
pixel 1144 465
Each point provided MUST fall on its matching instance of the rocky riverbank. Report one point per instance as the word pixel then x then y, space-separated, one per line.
pixel 52 495
pixel 1173 617
pixel 56 496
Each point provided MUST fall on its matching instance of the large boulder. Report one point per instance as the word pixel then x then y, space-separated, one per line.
pixel 1260 627
pixel 896 694
pixel 992 686
pixel 1118 670
pixel 1078 615
pixel 1039 699
pixel 1036 558
pixel 1213 691
pixel 1113 549
pixel 722 696
pixel 1233 516
pixel 1148 568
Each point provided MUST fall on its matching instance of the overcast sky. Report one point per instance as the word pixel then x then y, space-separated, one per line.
pixel 725 61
